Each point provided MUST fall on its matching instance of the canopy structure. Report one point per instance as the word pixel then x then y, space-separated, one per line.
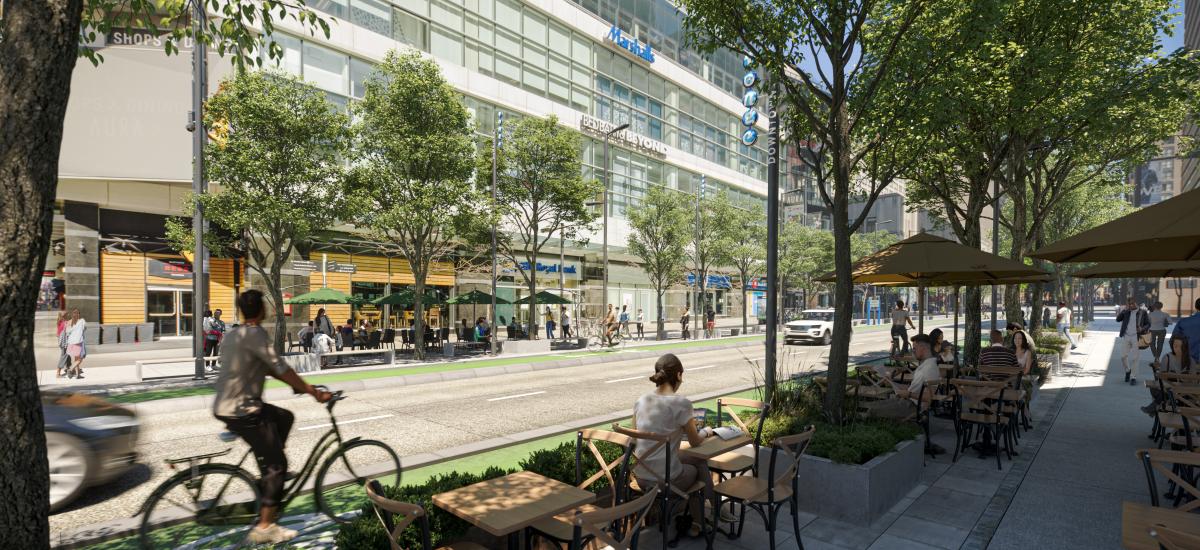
pixel 407 297
pixel 544 297
pixel 1167 231
pixel 324 295
pixel 477 297
pixel 1139 269
pixel 925 260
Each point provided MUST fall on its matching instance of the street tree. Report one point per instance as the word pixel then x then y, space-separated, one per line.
pixel 865 244
pixel 41 41
pixel 415 157
pixel 746 250
pixel 541 193
pixel 660 226
pixel 709 244
pixel 805 254
pixel 849 77
pixel 280 168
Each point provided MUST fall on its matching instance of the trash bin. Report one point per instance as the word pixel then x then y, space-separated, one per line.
pixel 145 332
pixel 108 334
pixel 734 331
pixel 127 334
pixel 448 349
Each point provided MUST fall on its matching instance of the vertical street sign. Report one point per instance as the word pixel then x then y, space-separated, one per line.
pixel 772 244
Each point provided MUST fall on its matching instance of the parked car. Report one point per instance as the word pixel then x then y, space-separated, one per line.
pixel 814 325
pixel 89 441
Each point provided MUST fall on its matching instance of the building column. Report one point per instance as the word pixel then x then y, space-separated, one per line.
pixel 82 269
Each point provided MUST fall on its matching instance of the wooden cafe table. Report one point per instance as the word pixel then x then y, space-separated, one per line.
pixel 1137 521
pixel 506 505
pixel 712 447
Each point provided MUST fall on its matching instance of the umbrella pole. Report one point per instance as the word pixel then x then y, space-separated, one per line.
pixel 956 298
pixel 921 315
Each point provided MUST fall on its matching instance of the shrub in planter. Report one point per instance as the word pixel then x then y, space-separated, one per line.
pixel 367 532
pixel 859 442
pixel 558 463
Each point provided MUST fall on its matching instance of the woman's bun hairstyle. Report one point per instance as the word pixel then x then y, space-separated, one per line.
pixel 667 370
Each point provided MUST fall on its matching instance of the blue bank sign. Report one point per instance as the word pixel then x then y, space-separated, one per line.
pixel 643 51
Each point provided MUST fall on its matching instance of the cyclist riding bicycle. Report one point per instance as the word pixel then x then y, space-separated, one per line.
pixel 610 325
pixel 247 357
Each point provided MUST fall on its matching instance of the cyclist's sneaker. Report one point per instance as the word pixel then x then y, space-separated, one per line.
pixel 274 534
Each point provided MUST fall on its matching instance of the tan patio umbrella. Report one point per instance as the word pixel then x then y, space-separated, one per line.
pixel 925 260
pixel 1167 231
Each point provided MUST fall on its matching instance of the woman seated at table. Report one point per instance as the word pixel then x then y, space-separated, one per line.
pixel 662 411
pixel 1023 347
pixel 943 350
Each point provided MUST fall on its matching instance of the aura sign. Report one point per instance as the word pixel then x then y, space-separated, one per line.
pixel 643 51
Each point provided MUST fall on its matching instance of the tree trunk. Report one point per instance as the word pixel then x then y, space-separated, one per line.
pixel 745 306
pixel 37 56
pixel 973 303
pixel 418 337
pixel 532 333
pixel 659 301
pixel 843 299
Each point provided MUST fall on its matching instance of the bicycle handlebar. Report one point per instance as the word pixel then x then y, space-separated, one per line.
pixel 337 396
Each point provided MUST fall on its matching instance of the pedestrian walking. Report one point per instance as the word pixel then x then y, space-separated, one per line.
pixel 1159 321
pixel 565 317
pixel 683 323
pixel 624 320
pixel 64 360
pixel 1063 319
pixel 710 322
pixel 641 324
pixel 76 344
pixel 900 316
pixel 1133 321
pixel 549 324
pixel 214 331
pixel 323 325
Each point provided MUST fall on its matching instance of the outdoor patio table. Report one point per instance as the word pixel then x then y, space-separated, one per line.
pixel 1138 519
pixel 712 447
pixel 506 505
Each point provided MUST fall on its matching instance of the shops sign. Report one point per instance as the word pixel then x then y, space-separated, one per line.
pixel 305 265
pixel 547 268
pixel 335 267
pixel 170 269
pixel 643 51
pixel 599 127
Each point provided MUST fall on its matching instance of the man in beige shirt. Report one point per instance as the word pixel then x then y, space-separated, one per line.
pixel 247 357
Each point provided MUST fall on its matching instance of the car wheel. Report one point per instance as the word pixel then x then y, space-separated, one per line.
pixel 825 340
pixel 70 464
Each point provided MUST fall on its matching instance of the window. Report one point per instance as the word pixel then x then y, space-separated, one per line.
pixel 410 29
pixel 535 27
pixel 535 56
pixel 336 8
pixel 446 15
pixel 581 50
pixel 508 68
pixel 507 42
pixel 290 60
pixel 446 44
pixel 419 7
pixel 559 66
pixel 559 89
pixel 508 15
pixel 326 69
pixel 373 15
pixel 359 72
pixel 535 80
pixel 560 39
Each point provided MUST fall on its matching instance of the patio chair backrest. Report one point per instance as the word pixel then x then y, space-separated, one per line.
pixel 445 334
pixel 1174 539
pixel 978 395
pixel 405 336
pixel 759 418
pixel 613 471
pixel 373 339
pixel 661 442
pixel 389 336
pixel 617 527
pixel 789 449
pixel 1184 396
pixel 1167 463
pixel 387 509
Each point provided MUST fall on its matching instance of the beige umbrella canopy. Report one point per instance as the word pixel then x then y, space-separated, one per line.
pixel 1167 231
pixel 928 260
pixel 1139 269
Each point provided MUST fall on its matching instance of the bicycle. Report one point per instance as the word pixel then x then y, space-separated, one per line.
pixel 219 496
pixel 596 337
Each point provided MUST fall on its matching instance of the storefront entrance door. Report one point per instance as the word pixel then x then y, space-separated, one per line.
pixel 170 309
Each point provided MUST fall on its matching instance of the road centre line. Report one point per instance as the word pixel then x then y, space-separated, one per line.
pixel 516 396
pixel 625 379
pixel 344 422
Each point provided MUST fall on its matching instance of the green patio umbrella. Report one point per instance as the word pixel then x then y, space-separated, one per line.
pixel 476 297
pixel 407 297
pixel 321 296
pixel 545 298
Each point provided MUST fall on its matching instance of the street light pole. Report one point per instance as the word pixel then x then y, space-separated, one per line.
pixel 995 238
pixel 696 296
pixel 200 256
pixel 495 331
pixel 604 202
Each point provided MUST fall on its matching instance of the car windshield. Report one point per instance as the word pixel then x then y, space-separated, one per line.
pixel 818 316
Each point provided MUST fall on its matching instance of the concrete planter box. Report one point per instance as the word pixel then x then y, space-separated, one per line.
pixel 303 362
pixel 526 346
pixel 108 334
pixel 145 332
pixel 859 494
pixel 1054 360
pixel 127 334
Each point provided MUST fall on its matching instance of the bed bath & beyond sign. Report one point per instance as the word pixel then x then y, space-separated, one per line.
pixel 640 142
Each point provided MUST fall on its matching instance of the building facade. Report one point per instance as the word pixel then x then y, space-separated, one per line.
pixel 1190 177
pixel 126 156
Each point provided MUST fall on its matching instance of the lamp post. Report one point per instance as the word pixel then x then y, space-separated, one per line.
pixel 696 297
pixel 495 151
pixel 607 184
pixel 196 126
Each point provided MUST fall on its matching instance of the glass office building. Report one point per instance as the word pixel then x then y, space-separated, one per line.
pixel 591 63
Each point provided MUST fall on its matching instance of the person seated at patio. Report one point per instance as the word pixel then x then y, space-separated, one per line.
pixel 322 344
pixel 1022 346
pixel 942 350
pixel 662 411
pixel 1178 360
pixel 466 330
pixel 482 333
pixel 306 336
pixel 914 395
pixel 997 355
pixel 1010 329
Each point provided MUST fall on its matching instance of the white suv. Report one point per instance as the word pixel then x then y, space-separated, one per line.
pixel 814 325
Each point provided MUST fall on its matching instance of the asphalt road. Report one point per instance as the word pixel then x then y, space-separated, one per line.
pixel 430 417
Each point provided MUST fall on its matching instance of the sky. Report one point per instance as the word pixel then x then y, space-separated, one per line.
pixel 1171 43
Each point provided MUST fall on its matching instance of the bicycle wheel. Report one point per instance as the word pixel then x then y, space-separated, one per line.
pixel 338 486
pixel 214 506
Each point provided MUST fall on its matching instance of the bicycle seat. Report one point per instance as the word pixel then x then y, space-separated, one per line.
pixel 227 436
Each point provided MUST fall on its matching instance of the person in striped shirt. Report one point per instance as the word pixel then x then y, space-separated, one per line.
pixel 997 354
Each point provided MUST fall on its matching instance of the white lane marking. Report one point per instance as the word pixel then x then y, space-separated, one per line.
pixel 344 422
pixel 624 379
pixel 516 396
pixel 701 368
